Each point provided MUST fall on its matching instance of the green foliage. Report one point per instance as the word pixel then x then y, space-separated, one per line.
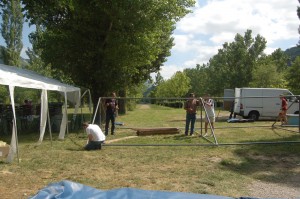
pixel 106 45
pixel 265 75
pixel 234 64
pixel 158 79
pixel 280 59
pixel 11 30
pixel 298 13
pixel 177 86
pixel 4 94
pixel 199 78
pixel 293 76
pixel 270 71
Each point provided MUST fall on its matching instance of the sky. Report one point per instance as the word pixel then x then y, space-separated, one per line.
pixel 200 34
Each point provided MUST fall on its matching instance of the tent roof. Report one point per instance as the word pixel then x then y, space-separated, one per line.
pixel 10 75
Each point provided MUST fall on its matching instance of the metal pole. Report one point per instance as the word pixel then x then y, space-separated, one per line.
pixel 201 126
pixel 211 128
pixel 96 110
pixel 298 98
pixel 100 111
pixel 49 126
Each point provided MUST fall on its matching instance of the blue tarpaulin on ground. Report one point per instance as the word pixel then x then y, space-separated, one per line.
pixel 72 190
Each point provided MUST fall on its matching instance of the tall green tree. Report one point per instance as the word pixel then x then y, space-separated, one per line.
pixel 11 31
pixel 298 13
pixel 177 86
pixel 158 80
pixel 107 45
pixel 234 64
pixel 280 60
pixel 265 75
pixel 293 76
pixel 35 61
pixel 270 71
pixel 198 77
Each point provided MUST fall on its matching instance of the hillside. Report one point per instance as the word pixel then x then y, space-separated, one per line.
pixel 293 53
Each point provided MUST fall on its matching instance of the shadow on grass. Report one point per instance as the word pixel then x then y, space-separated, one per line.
pixel 75 149
pixel 275 163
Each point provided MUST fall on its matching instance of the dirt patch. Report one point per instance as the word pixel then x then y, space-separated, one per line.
pixel 144 106
pixel 272 190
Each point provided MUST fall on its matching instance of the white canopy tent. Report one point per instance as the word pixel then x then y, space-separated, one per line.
pixel 17 77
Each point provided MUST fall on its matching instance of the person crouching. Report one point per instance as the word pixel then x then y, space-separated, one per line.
pixel 95 136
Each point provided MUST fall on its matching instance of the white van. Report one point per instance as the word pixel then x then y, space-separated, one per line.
pixel 254 103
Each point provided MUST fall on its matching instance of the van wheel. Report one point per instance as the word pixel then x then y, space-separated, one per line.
pixel 254 115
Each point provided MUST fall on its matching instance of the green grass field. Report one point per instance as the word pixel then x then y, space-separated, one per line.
pixel 247 153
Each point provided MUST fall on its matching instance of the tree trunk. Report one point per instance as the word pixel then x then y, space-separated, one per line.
pixel 122 102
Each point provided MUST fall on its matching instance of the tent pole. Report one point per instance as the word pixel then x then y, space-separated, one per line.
pixel 90 104
pixel 201 119
pixel 49 124
pixel 298 98
pixel 81 99
pixel 96 111
pixel 100 111
pixel 17 143
pixel 66 112
pixel 14 130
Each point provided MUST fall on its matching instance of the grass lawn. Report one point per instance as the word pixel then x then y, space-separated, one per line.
pixel 162 162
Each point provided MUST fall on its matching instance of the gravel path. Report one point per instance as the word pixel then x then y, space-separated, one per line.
pixel 270 190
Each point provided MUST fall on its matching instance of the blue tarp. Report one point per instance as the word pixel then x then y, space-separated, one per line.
pixel 72 190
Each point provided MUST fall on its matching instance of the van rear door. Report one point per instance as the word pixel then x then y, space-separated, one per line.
pixel 237 100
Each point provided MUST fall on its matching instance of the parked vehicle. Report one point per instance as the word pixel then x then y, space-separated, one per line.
pixel 254 103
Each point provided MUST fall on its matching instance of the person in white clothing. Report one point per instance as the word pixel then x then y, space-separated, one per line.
pixel 95 136
pixel 210 110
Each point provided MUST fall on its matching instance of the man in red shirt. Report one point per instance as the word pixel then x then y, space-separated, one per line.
pixel 191 109
pixel 284 108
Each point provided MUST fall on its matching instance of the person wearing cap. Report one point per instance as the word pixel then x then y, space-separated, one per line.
pixel 191 109
pixel 95 136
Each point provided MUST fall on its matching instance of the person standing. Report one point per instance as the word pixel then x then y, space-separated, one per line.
pixel 111 110
pixel 210 112
pixel 95 136
pixel 284 108
pixel 232 110
pixel 191 109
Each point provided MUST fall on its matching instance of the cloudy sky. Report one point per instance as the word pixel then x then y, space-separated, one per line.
pixel 213 22
pixel 200 34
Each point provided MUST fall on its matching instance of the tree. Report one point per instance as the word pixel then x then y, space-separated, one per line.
pixel 280 60
pixel 234 64
pixel 293 76
pixel 270 71
pixel 198 77
pixel 265 75
pixel 11 30
pixel 177 86
pixel 106 45
pixel 158 79
pixel 298 13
